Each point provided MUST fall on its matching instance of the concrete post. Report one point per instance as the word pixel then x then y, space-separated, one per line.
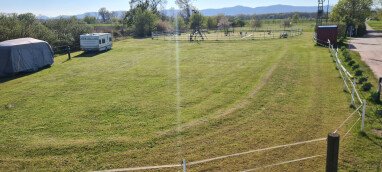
pixel 184 165
pixel 363 115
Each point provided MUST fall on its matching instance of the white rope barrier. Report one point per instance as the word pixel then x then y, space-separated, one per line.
pixel 142 168
pixel 345 74
pixel 343 123
pixel 257 150
pixel 285 162
pixel 211 159
pixel 351 128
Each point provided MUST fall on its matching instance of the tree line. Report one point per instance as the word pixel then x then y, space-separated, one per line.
pixel 57 32
pixel 146 17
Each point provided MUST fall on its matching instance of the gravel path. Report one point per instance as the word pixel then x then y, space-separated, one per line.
pixel 370 49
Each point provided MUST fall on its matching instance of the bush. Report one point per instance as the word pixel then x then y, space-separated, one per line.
pixel 379 113
pixel 358 72
pixel 362 80
pixel 367 86
pixel 361 30
pixel 343 48
pixel 351 63
pixel 164 26
pixel 144 22
pixel 347 56
pixel 355 67
pixel 375 97
pixel 67 31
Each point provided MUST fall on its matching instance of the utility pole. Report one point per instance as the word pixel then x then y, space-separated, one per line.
pixel 320 12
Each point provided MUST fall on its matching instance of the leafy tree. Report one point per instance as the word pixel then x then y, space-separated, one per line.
pixel 27 20
pixel 151 5
pixel 296 18
pixel 181 24
pixel 10 27
pixel 239 22
pixel 67 31
pixel 105 14
pixel 196 21
pixel 378 5
pixel 256 23
pixel 143 16
pixel 186 9
pixel 144 22
pixel 90 20
pixel 224 24
pixel 353 13
pixel 58 32
pixel 211 22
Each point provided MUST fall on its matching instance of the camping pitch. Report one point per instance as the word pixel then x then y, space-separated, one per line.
pixel 24 55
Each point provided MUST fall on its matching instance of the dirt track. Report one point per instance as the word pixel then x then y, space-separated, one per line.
pixel 370 48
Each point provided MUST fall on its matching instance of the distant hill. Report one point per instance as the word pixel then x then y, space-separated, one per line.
pixel 237 10
pixel 80 16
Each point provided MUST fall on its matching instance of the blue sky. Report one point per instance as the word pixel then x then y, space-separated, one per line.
pixel 72 7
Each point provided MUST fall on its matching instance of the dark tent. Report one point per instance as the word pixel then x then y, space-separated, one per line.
pixel 24 55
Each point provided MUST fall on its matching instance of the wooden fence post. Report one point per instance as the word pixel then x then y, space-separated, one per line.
pixel 69 56
pixel 332 152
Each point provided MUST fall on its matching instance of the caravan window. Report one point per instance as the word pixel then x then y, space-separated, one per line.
pixel 103 41
pixel 99 41
pixel 109 39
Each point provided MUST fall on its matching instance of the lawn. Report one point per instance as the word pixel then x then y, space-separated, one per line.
pixel 376 25
pixel 120 108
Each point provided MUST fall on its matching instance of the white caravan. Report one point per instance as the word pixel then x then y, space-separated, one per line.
pixel 96 42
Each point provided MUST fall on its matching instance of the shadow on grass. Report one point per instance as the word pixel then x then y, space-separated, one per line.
pixel 90 54
pixel 365 135
pixel 20 75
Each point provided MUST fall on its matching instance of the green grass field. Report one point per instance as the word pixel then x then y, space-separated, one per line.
pixel 376 25
pixel 119 109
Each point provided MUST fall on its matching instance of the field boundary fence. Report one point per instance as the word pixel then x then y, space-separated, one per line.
pixel 333 138
pixel 221 35
pixel 349 85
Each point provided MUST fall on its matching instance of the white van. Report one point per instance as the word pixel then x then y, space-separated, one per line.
pixel 96 42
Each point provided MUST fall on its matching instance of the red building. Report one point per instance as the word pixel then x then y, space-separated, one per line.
pixel 325 33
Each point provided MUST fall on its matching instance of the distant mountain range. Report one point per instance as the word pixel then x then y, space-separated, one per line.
pixel 260 10
pixel 237 10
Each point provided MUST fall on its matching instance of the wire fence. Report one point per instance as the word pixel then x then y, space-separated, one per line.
pixel 221 35
pixel 356 101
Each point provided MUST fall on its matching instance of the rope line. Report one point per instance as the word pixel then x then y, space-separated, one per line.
pixel 285 162
pixel 211 159
pixel 257 150
pixel 142 168
pixel 351 128
pixel 343 123
pixel 347 75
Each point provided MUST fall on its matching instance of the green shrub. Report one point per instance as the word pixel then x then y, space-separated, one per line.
pixel 358 72
pixel 343 48
pixel 351 62
pixel 378 113
pixel 367 86
pixel 362 80
pixel 375 97
pixel 355 67
pixel 347 58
